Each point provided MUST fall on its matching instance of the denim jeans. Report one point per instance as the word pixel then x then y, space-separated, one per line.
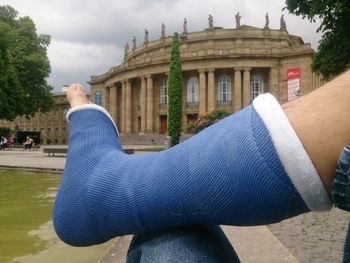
pixel 202 244
pixel 341 192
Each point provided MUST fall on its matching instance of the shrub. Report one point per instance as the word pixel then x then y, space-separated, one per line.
pixel 206 119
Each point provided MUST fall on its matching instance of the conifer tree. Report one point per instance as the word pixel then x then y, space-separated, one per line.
pixel 175 92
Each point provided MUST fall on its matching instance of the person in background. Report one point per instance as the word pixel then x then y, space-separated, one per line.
pixel 3 143
pixel 9 141
pixel 29 143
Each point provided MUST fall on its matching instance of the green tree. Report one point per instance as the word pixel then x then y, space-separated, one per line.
pixel 24 67
pixel 175 92
pixel 6 132
pixel 10 91
pixel 333 54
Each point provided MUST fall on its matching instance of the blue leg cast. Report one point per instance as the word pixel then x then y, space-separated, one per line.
pixel 228 174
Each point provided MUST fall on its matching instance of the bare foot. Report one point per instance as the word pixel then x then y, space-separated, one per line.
pixel 76 95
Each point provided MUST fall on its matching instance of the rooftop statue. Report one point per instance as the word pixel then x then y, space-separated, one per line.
pixel 126 48
pixel 267 21
pixel 238 20
pixel 184 31
pixel 133 42
pixel 146 36
pixel 283 23
pixel 162 35
pixel 185 27
pixel 211 21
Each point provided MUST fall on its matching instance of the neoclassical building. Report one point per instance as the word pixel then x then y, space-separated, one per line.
pixel 52 125
pixel 222 68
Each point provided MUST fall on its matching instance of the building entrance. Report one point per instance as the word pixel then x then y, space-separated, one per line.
pixel 163 124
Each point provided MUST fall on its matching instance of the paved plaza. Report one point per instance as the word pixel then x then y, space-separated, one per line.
pixel 313 237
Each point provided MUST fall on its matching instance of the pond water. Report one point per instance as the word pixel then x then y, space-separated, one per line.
pixel 26 230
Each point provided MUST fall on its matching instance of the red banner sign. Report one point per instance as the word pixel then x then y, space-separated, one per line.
pixel 293 83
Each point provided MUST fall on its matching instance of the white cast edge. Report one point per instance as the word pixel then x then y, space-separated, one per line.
pixel 292 154
pixel 92 107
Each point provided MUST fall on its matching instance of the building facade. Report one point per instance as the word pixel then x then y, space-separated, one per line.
pixel 222 68
pixel 52 125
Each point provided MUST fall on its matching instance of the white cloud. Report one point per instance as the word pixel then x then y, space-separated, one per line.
pixel 76 62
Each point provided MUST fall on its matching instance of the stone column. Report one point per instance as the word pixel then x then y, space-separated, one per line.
pixel 237 90
pixel 143 104
pixel 128 108
pixel 105 100
pixel 113 102
pixel 273 80
pixel 202 91
pixel 211 90
pixel 123 106
pixel 246 87
pixel 150 103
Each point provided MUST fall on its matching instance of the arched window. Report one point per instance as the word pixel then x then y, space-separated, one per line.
pixel 192 89
pixel 224 88
pixel 164 92
pixel 257 86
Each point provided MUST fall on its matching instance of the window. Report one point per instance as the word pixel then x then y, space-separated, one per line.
pixel 224 88
pixel 257 86
pixel 164 92
pixel 192 89
pixel 98 98
pixel 65 110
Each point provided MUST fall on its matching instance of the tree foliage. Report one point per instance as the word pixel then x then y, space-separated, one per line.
pixel 24 66
pixel 6 132
pixel 333 54
pixel 175 92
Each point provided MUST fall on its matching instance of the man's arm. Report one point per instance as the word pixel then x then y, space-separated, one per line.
pixel 321 119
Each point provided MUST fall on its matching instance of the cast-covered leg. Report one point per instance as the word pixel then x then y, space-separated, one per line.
pixel 231 173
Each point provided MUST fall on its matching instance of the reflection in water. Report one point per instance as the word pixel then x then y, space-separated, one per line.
pixel 56 249
pixel 26 231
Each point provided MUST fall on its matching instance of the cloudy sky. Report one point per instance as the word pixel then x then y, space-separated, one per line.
pixel 88 37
